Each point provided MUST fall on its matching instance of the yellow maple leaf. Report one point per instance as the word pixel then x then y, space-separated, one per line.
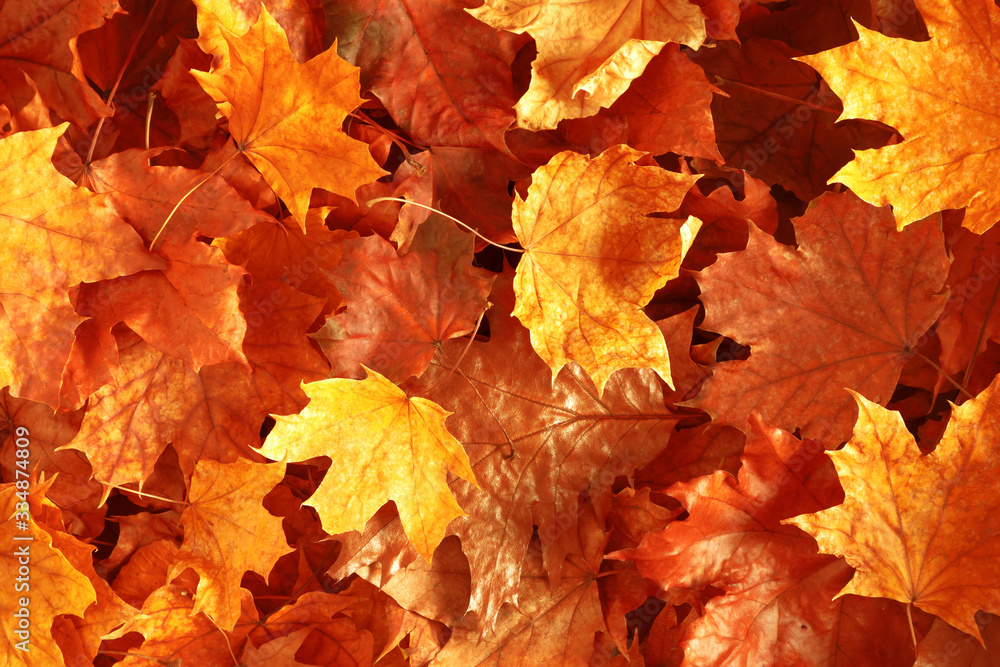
pixel 937 94
pixel 593 257
pixel 589 52
pixel 384 446
pixel 286 117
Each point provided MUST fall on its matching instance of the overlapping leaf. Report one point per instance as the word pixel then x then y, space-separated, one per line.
pixel 553 625
pixel 158 368
pixel 56 235
pixel 401 309
pixel 778 606
pixel 227 532
pixel 52 586
pixel 821 317
pixel 593 258
pixel 40 40
pixel 286 117
pixel 454 91
pixel 535 447
pixel 589 52
pixel 929 92
pixel 384 446
pixel 159 400
pixel 919 529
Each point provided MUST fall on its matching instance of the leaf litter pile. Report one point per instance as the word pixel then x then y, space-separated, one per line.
pixel 416 332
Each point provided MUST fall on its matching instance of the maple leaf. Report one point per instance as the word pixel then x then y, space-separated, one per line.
pixel 553 625
pixel 196 317
pixel 301 22
pixel 589 52
pixel 384 446
pixel 632 515
pixel 72 488
pixel 57 235
pixel 278 652
pixel 194 109
pixel 289 126
pixel 278 250
pixel 777 119
pixel 973 281
pixel 944 642
pixel 123 58
pixel 227 532
pixel 443 76
pixel 160 400
pixel 77 634
pixel 923 90
pixel 535 447
pixel 593 258
pixel 146 570
pixel 724 219
pixel 40 40
pixel 50 587
pixel 775 584
pixel 163 364
pixel 468 184
pixel 400 309
pixel 439 590
pixel 667 109
pixel 280 355
pixel 173 631
pixel 821 317
pixel 921 529
pixel 326 616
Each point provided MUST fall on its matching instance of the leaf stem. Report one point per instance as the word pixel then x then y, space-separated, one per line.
pixel 439 212
pixel 472 337
pixel 114 88
pixel 397 139
pixel 143 494
pixel 947 377
pixel 720 81
pixel 149 113
pixel 224 636
pixel 188 194
pixel 909 618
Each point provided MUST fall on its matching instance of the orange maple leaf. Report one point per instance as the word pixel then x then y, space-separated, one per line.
pixel 280 354
pixel 929 92
pixel 536 446
pixel 289 125
pixel 227 532
pixel 279 250
pixel 820 317
pixel 57 235
pixel 176 634
pixel 49 585
pixel 593 257
pixel 594 47
pixel 76 635
pixel 40 40
pixel 400 309
pixel 160 400
pixel 920 529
